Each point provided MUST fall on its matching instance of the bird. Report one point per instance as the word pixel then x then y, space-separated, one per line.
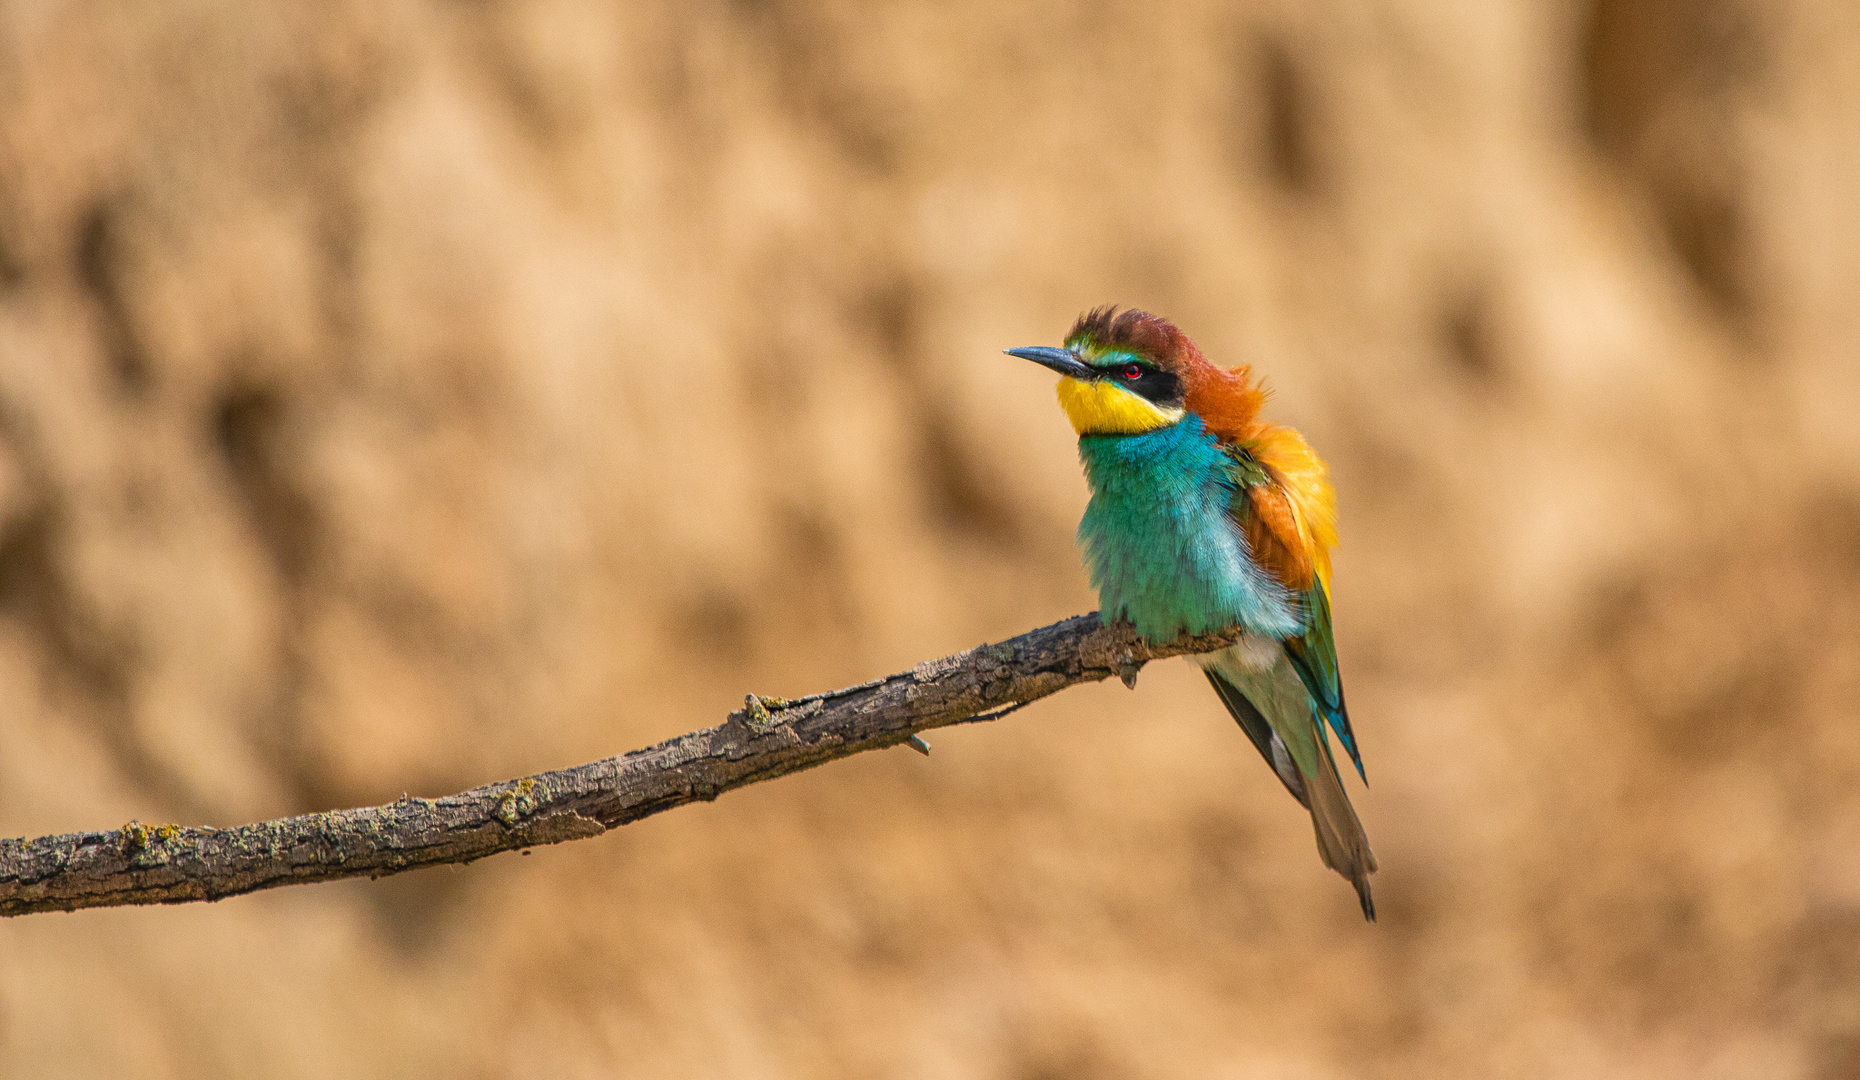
pixel 1204 517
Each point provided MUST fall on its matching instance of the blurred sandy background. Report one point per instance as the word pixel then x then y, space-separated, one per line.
pixel 398 396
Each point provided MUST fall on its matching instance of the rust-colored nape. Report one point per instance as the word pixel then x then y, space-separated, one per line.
pixel 1228 401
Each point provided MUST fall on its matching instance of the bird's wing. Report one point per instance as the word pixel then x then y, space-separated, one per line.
pixel 1259 730
pixel 1314 654
pixel 1282 504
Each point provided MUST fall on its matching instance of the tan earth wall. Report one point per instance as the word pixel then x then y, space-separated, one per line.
pixel 399 396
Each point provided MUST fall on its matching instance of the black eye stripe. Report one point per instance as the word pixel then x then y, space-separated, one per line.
pixel 1162 387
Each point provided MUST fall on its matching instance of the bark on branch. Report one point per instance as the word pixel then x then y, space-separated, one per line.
pixel 767 738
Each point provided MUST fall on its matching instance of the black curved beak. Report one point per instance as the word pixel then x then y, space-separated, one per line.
pixel 1064 361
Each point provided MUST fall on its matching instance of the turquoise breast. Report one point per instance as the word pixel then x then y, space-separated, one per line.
pixel 1161 548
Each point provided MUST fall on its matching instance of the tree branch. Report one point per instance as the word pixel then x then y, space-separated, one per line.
pixel 767 738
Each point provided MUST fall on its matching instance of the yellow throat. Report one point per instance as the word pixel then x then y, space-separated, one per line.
pixel 1101 407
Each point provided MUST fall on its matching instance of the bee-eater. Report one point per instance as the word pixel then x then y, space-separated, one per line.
pixel 1203 517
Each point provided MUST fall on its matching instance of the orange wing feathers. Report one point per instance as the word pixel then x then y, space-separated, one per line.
pixel 1294 521
pixel 1305 481
pixel 1273 535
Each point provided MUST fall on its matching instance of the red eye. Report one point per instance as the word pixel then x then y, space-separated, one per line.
pixel 1132 372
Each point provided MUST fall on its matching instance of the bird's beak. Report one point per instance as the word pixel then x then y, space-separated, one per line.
pixel 1064 361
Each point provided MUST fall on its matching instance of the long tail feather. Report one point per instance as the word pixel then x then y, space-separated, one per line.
pixel 1340 836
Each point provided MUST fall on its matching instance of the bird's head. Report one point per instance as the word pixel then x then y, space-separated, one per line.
pixel 1125 373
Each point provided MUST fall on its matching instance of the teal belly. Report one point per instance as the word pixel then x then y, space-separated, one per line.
pixel 1162 550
